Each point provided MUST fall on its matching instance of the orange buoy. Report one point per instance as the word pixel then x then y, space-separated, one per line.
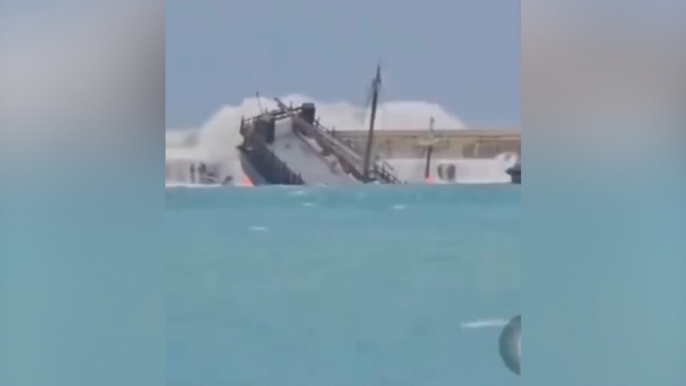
pixel 246 181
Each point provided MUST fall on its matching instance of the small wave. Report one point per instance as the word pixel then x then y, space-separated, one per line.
pixel 169 185
pixel 484 323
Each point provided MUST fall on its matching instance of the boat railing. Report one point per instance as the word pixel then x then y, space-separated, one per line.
pixel 380 170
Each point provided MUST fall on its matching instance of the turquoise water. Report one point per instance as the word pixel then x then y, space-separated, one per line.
pixel 322 286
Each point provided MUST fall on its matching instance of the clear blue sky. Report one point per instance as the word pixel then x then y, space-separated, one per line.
pixel 462 54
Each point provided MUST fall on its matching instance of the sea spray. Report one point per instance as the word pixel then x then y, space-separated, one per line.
pixel 216 140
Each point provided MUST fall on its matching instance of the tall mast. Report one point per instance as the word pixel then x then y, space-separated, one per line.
pixel 376 85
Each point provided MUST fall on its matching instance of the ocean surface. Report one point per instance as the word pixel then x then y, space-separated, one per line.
pixel 374 285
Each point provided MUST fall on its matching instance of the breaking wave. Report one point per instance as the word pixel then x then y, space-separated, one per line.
pixel 215 141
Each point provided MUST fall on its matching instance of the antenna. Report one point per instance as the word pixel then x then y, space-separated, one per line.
pixel 282 106
pixel 259 103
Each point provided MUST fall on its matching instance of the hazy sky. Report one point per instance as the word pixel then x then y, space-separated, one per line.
pixel 462 54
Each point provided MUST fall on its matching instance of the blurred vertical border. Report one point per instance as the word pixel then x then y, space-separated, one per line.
pixel 82 193
pixel 603 262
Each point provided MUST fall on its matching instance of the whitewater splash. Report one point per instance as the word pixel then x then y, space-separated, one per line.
pixel 480 171
pixel 484 323
pixel 215 142
pixel 458 171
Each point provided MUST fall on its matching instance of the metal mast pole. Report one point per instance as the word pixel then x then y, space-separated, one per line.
pixel 376 84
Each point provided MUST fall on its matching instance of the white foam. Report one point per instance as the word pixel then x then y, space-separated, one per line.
pixel 484 323
pixel 467 171
pixel 187 185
